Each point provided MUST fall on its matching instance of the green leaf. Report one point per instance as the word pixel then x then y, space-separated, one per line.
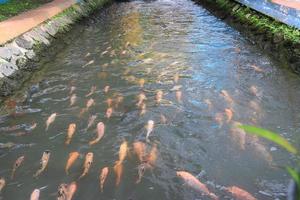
pixel 274 137
pixel 294 174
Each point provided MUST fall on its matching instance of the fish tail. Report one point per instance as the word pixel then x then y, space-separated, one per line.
pixel 12 174
pixel 81 176
pixel 37 173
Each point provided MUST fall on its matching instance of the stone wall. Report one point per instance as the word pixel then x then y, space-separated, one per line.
pixel 18 57
pixel 279 40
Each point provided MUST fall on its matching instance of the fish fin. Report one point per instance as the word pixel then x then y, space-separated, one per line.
pixel 12 174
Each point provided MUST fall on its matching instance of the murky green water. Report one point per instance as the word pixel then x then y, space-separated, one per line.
pixel 165 38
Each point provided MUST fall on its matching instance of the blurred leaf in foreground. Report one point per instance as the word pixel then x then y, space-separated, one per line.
pixel 274 137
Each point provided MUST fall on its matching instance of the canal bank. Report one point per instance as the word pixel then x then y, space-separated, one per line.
pixel 19 53
pixel 278 39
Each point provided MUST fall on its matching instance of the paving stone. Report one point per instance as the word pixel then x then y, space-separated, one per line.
pixel 30 55
pixel 7 69
pixel 24 42
pixel 6 53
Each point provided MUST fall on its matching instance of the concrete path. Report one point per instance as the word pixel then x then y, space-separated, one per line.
pixel 15 26
pixel 285 11
pixel 288 3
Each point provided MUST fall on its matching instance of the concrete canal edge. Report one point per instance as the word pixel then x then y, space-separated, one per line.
pixel 18 57
pixel 279 40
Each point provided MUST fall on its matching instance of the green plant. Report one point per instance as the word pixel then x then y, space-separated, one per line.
pixel 276 138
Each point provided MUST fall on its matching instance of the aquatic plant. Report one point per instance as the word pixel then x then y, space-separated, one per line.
pixel 279 140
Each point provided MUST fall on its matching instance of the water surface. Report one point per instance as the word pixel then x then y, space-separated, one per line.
pixel 155 41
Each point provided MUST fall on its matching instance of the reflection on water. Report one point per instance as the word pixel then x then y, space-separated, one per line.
pixel 155 91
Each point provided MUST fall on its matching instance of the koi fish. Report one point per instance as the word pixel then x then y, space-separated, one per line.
pixel 32 127
pixel 253 90
pixel 73 99
pixel 50 120
pixel 140 150
pixel 149 128
pixel 87 55
pixel 44 162
pixel 112 53
pixel 176 78
pixel 102 177
pixel 2 183
pixel 141 171
pixel 72 187
pixel 62 191
pixel 256 68
pixel 92 91
pixel 90 103
pixel 219 118
pixel 151 158
pixel 178 95
pixel 73 156
pixel 238 135
pixel 89 63
pixel 108 112
pixel 35 195
pixel 106 89
pixel 229 114
pixel 91 121
pixel 109 102
pixel 71 131
pixel 227 97
pixel 194 183
pixel 100 133
pixel 87 164
pixel 104 52
pixel 159 96
pixel 118 169
pixel 143 109
pixel 176 87
pixel 141 82
pixel 119 100
pixel 72 89
pixel 16 165
pixel 123 152
pixel 141 98
pixel 239 193
pixel 208 103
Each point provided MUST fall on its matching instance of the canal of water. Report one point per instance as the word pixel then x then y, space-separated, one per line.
pixel 201 78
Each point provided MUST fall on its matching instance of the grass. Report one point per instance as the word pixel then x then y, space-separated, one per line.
pixel 14 7
pixel 258 20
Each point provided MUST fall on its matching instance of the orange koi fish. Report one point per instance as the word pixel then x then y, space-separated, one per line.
pixel 35 195
pixel 89 157
pixel 50 120
pixel 100 133
pixel 17 164
pixel 44 162
pixel 71 131
pixel 118 169
pixel 73 156
pixel 194 183
pixel 102 177
pixel 92 91
pixel 239 193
